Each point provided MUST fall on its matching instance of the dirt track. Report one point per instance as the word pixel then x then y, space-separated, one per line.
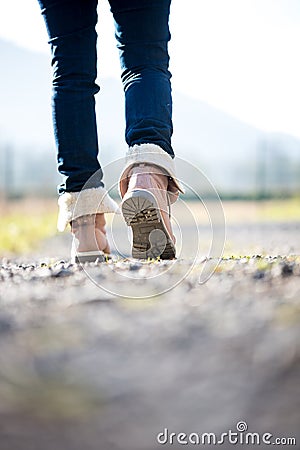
pixel 81 369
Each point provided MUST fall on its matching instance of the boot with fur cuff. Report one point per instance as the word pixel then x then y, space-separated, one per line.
pixel 155 155
pixel 84 211
pixel 146 209
pixel 90 242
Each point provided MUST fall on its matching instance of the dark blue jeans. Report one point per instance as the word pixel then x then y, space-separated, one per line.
pixel 142 34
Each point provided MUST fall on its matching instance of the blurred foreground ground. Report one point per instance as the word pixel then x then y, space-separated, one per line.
pixel 81 368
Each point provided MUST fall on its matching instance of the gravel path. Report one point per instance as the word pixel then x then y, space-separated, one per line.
pixel 83 369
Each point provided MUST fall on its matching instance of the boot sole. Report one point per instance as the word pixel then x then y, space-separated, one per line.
pixel 83 257
pixel 150 236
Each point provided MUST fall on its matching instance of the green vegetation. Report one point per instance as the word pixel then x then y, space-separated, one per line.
pixel 21 233
pixel 21 230
pixel 280 210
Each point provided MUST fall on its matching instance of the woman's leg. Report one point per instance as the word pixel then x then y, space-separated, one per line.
pixel 71 28
pixel 142 34
pixel 148 183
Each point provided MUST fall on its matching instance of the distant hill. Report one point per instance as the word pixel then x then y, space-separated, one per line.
pixel 236 156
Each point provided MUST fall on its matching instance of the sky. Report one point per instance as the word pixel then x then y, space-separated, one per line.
pixel 240 56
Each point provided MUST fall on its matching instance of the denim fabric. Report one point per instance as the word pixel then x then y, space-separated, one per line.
pixel 142 34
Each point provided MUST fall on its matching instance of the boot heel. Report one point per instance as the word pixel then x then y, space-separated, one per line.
pixel 150 237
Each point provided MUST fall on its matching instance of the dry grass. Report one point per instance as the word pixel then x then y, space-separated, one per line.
pixel 25 223
pixel 240 211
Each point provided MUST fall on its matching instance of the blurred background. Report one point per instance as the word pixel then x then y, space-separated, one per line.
pixel 236 96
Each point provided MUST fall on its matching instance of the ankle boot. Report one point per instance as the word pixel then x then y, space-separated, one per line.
pixel 146 209
pixel 90 241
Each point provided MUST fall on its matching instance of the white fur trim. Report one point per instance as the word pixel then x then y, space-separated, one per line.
pixel 153 154
pixel 88 201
